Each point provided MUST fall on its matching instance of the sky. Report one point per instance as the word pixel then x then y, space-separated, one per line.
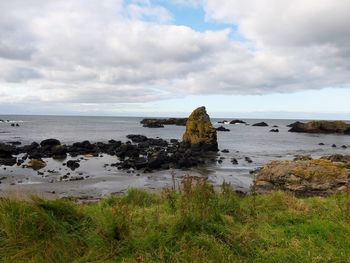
pixel 241 58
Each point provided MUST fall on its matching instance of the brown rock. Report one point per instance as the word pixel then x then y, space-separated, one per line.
pixel 303 177
pixel 36 164
pixel 200 133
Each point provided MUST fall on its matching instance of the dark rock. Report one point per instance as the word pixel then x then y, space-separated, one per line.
pixel 248 160
pixel 238 122
pixel 8 161
pixel 260 124
pixel 6 151
pixel 73 164
pixel 223 122
pixel 170 121
pixel 344 146
pixel 334 146
pixel 15 143
pixel 274 130
pixel 221 128
pixel 294 124
pixel 153 125
pixel 225 151
pixel 321 143
pixel 137 138
pixel 50 142
pixel 234 161
pixel 59 152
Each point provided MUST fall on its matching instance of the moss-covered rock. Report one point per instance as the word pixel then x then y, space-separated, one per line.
pixel 304 177
pixel 321 127
pixel 200 133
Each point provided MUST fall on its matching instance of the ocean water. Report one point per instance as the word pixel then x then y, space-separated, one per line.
pixel 242 141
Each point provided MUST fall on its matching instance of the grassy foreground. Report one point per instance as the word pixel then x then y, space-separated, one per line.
pixel 194 225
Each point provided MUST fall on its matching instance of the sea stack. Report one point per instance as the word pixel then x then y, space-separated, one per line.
pixel 200 133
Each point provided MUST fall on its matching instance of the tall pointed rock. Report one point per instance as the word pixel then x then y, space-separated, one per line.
pixel 200 133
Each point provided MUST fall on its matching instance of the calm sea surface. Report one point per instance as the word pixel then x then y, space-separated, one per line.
pixel 255 142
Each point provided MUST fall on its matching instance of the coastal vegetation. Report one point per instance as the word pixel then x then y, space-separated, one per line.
pixel 194 224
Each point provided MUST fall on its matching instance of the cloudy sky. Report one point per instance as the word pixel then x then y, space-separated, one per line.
pixel 272 58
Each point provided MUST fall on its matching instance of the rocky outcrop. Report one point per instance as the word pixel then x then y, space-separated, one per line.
pixel 305 177
pixel 338 127
pixel 153 124
pixel 200 133
pixel 159 123
pixel 260 124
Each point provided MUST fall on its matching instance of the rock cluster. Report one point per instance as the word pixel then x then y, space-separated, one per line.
pixel 304 176
pixel 338 127
pixel 139 153
pixel 200 133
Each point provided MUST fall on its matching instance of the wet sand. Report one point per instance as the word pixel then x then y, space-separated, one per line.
pixel 96 178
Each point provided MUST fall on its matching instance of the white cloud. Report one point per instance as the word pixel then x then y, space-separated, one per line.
pixel 99 52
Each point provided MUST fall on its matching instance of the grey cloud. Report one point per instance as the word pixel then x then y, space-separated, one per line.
pixel 21 74
pixel 110 52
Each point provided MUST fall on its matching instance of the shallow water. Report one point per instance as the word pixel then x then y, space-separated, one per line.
pixel 255 142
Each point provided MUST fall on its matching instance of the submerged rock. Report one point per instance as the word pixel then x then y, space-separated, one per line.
pixel 338 127
pixel 238 122
pixel 222 128
pixel 260 124
pixel 200 133
pixel 304 177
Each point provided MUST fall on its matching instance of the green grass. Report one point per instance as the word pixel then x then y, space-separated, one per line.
pixel 194 225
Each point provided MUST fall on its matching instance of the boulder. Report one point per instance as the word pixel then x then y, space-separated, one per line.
pixel 59 152
pixel 50 142
pixel 200 133
pixel 274 130
pixel 327 127
pixel 304 177
pixel 6 151
pixel 36 164
pixel 73 164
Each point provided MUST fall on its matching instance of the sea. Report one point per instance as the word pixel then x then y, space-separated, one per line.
pixel 257 143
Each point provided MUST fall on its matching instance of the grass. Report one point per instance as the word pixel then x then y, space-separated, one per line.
pixel 197 224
